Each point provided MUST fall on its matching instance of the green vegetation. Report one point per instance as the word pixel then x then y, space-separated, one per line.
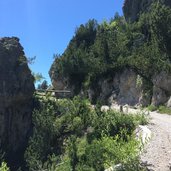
pixel 38 77
pixel 43 85
pixel 160 109
pixel 164 109
pixel 98 50
pixel 70 135
pixel 4 167
pixel 142 118
pixel 152 108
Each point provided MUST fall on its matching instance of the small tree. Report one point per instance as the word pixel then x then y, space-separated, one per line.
pixel 38 77
pixel 44 85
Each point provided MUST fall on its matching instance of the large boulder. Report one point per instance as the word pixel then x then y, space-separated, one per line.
pixel 161 89
pixel 133 8
pixel 16 104
pixel 159 96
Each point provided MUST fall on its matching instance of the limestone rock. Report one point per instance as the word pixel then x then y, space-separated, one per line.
pixel 104 108
pixel 16 90
pixel 61 82
pixel 163 81
pixel 169 102
pixel 143 134
pixel 106 88
pixel 161 89
pixel 159 96
pixel 122 88
pixel 133 8
pixel 129 90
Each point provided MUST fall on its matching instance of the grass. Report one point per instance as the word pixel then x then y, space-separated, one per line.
pixel 164 109
pixel 142 119
pixel 161 109
pixel 152 108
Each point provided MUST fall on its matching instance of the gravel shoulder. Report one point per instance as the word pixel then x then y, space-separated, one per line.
pixel 157 152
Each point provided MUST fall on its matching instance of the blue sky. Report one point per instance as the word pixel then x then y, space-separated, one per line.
pixel 45 27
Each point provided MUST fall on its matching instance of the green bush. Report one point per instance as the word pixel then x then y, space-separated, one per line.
pixel 164 109
pixel 4 167
pixel 70 135
pixel 109 151
pixel 143 46
pixel 142 118
pixel 152 108
pixel 112 123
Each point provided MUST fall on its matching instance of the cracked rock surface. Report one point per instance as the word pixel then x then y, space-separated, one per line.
pixel 16 103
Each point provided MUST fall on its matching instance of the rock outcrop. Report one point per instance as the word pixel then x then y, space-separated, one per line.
pixel 133 8
pixel 161 89
pixel 16 104
pixel 60 82
pixel 123 88
pixel 126 87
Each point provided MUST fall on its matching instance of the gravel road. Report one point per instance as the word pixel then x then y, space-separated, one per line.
pixel 157 153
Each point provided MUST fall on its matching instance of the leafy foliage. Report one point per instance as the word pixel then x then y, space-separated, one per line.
pixel 37 77
pixel 43 85
pixel 164 109
pixel 70 135
pixel 4 167
pixel 101 49
pixel 160 109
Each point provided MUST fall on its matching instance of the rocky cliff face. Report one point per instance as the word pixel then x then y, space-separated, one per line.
pixel 133 8
pixel 127 87
pixel 60 82
pixel 123 86
pixel 161 89
pixel 16 90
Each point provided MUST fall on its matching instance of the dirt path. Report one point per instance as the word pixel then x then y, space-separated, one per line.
pixel 157 153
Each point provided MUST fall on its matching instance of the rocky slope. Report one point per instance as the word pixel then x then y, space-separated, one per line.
pixel 133 8
pixel 16 90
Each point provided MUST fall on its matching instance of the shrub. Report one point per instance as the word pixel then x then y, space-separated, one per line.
pixel 69 135
pixel 142 118
pixel 109 151
pixel 164 109
pixel 4 167
pixel 152 108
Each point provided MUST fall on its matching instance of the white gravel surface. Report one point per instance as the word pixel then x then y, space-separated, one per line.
pixel 157 153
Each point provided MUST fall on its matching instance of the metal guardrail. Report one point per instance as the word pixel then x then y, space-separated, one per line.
pixel 55 91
